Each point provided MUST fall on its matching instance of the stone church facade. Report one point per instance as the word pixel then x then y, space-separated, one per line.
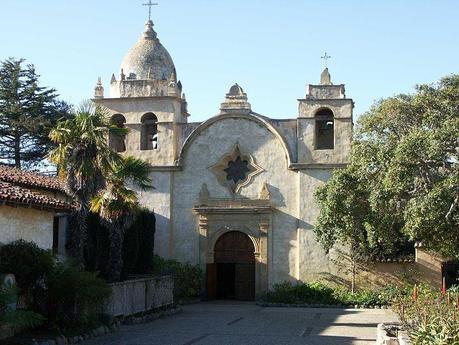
pixel 234 193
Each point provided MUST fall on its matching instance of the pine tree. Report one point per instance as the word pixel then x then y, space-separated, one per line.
pixel 27 114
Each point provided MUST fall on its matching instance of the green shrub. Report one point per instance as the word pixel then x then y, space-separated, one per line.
pixel 188 279
pixel 19 319
pixel 75 298
pixel 319 293
pixel 27 262
pixel 138 245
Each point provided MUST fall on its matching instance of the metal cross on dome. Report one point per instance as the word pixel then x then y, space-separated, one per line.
pixel 326 57
pixel 149 4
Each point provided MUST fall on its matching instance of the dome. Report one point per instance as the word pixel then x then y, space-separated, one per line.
pixel 148 59
pixel 236 90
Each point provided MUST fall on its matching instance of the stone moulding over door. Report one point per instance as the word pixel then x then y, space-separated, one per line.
pixel 253 217
pixel 235 169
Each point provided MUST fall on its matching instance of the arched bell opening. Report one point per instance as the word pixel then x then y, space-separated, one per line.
pixel 324 130
pixel 117 142
pixel 149 132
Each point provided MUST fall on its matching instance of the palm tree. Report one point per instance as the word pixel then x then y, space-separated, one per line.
pixel 117 205
pixel 83 158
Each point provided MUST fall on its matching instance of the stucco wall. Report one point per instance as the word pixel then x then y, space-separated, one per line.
pixel 314 263
pixel 206 150
pixel 28 224
pixel 158 200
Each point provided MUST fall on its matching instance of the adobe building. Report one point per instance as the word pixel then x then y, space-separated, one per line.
pixel 34 208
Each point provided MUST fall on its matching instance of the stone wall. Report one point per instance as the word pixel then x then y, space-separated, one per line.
pixel 28 224
pixel 430 267
pixel 139 295
pixel 379 274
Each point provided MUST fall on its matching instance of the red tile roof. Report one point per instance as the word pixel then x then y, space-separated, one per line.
pixel 18 195
pixel 30 179
pixel 18 187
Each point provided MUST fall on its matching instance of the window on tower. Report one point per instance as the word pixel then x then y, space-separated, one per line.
pixel 324 130
pixel 149 132
pixel 117 142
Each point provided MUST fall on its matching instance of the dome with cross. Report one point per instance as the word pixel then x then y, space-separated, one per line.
pixel 148 59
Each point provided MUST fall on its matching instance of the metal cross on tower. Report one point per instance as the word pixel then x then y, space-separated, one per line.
pixel 149 4
pixel 325 57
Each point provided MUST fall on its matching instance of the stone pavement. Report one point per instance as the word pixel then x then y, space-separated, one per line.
pixel 224 323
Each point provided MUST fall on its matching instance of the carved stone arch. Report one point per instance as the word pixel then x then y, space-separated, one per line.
pixel 324 111
pixel 213 238
pixel 251 117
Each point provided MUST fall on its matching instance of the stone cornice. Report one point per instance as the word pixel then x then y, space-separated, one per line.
pixel 324 100
pixel 165 168
pixel 325 166
pixel 232 210
pixel 145 98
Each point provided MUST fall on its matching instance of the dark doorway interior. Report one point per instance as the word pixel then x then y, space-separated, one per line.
pixel 450 274
pixel 232 276
pixel 226 282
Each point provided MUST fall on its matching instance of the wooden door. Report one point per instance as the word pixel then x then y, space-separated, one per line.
pixel 235 259
pixel 245 281
pixel 211 281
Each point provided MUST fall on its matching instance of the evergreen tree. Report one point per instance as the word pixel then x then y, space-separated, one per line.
pixel 403 179
pixel 27 114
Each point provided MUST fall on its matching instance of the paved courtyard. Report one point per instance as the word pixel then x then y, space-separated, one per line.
pixel 245 323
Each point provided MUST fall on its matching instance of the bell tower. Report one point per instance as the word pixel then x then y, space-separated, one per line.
pixel 324 124
pixel 147 98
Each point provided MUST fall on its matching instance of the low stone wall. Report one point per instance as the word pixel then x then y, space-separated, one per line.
pixel 140 295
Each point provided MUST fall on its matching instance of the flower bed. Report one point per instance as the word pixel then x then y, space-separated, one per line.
pixel 431 317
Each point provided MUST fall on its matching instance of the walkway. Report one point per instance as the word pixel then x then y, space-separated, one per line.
pixel 245 323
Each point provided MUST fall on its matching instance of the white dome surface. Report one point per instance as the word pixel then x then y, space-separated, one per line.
pixel 148 59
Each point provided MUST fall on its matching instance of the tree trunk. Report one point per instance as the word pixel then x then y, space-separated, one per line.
pixel 78 234
pixel 115 258
pixel 17 151
pixel 353 276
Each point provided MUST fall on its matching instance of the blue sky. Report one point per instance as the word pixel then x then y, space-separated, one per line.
pixel 271 48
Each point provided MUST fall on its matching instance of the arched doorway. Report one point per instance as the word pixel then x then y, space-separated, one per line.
pixel 232 275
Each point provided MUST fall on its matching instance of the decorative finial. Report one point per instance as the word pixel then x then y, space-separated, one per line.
pixel 173 77
pixel 99 89
pixel 235 101
pixel 113 80
pixel 326 57
pixel 325 78
pixel 204 193
pixel 150 4
pixel 149 33
pixel 265 193
pixel 122 76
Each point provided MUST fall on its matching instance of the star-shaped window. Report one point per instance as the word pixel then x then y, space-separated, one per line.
pixel 235 170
